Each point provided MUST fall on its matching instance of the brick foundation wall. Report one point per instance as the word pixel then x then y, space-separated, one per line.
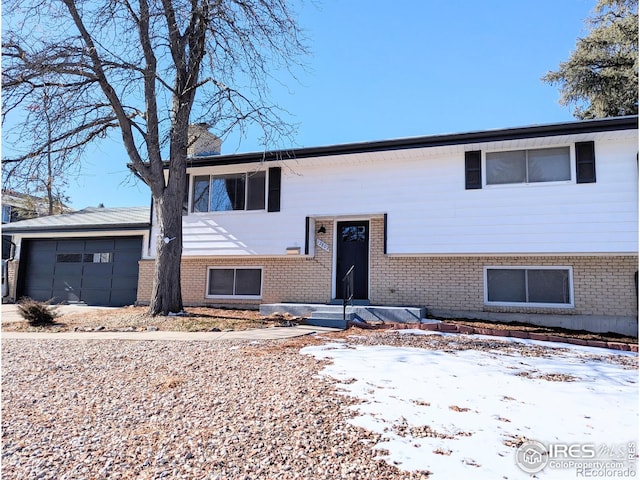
pixel 602 285
pixel 145 281
pixel 285 279
pixel 12 275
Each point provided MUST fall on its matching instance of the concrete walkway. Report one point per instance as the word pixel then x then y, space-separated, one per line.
pixel 10 314
pixel 272 333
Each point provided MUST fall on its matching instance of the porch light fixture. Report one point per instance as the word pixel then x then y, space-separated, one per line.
pixel 322 229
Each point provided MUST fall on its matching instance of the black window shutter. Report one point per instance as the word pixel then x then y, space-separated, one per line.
pixel 185 201
pixel 585 162
pixel 472 170
pixel 273 202
pixel 384 248
pixel 307 221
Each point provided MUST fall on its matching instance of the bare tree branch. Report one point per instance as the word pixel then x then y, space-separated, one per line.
pixel 147 69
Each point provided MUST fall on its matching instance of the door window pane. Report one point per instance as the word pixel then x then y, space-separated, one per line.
pixel 69 258
pixel 354 234
pixel 104 257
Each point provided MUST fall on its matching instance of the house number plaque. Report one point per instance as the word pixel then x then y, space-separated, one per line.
pixel 322 245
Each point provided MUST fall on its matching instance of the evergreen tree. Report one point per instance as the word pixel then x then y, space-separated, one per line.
pixel 601 76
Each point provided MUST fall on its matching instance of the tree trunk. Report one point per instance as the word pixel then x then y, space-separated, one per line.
pixel 166 295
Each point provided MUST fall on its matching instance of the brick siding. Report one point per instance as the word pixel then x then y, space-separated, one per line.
pixel 12 275
pixel 603 285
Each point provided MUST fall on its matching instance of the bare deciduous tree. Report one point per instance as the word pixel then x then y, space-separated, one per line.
pixel 148 69
pixel 41 175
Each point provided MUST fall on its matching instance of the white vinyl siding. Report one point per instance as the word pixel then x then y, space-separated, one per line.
pixel 429 211
pixel 529 286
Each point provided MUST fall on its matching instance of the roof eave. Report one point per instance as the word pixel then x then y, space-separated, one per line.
pixel 534 131
pixel 75 228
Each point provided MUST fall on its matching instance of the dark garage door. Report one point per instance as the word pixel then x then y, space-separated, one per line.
pixel 100 271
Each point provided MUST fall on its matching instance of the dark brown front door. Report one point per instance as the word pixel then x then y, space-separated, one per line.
pixel 353 250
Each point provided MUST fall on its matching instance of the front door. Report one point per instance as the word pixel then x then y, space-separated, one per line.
pixel 353 250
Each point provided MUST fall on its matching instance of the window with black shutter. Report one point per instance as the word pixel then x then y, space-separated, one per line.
pixel 229 192
pixel 473 170
pixel 585 162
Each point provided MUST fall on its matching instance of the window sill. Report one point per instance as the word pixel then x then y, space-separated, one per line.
pixel 228 212
pixel 530 184
pixel 530 305
pixel 234 297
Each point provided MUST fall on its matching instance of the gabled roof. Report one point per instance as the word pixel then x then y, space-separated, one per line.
pixel 533 131
pixel 88 219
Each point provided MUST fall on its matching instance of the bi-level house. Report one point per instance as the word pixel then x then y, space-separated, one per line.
pixel 538 224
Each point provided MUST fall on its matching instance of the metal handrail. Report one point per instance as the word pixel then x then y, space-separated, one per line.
pixel 347 290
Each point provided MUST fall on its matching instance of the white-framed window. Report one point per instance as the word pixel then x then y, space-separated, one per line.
pixel 222 193
pixel 535 286
pixel 528 166
pixel 234 282
pixel 6 213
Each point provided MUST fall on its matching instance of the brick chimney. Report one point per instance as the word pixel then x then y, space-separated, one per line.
pixel 202 143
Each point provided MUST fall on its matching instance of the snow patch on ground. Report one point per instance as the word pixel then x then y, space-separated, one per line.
pixel 460 413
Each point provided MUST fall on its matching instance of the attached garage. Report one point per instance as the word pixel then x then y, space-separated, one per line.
pixel 102 271
pixel 91 256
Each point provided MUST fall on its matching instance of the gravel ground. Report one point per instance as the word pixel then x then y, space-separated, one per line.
pixel 137 319
pixel 203 319
pixel 196 410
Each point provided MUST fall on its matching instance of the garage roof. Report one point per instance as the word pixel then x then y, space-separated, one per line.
pixel 92 218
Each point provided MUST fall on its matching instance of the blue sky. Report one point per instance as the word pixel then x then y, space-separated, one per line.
pixel 381 70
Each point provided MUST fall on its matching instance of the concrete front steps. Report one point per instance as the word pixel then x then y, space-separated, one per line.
pixel 329 319
pixel 322 315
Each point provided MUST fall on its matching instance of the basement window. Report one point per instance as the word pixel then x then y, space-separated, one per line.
pixel 234 282
pixel 529 286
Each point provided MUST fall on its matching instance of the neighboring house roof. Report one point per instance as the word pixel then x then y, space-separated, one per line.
pixel 32 205
pixel 125 218
pixel 533 131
